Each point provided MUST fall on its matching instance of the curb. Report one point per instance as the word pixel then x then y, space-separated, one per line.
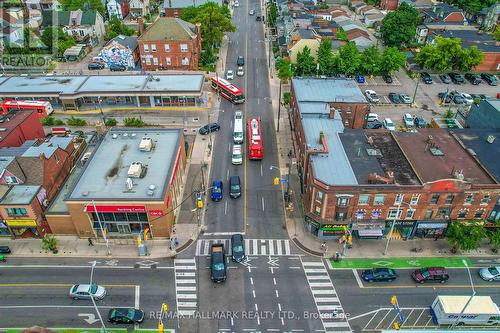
pixel 144 109
pixel 305 249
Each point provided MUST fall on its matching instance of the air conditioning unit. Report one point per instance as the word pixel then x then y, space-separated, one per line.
pixel 135 170
pixel 146 144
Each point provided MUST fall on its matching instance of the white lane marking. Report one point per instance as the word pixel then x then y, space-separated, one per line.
pixel 358 279
pixel 287 247
pixel 225 207
pixel 277 295
pixel 256 307
pixel 185 261
pixel 251 281
pixel 282 321
pixel 278 246
pixel 261 170
pixel 137 296
pixel 263 207
pixel 279 306
pixel 232 321
pixel 225 233
pixel 274 281
pixel 227 174
pixel 229 147
pixel 78 267
pixel 253 293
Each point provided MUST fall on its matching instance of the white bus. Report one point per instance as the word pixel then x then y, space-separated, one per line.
pixel 238 128
pixel 449 310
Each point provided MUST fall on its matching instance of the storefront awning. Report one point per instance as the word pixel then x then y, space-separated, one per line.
pixel 370 232
pixel 115 209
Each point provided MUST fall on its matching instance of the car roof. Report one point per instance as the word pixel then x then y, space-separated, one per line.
pixel 237 237
pixel 435 270
pixel 217 182
pixel 388 120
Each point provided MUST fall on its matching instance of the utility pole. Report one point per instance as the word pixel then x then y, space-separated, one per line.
pixel 94 263
pixel 279 109
pixel 287 194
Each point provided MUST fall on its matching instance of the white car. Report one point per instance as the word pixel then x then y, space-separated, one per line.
pixel 237 156
pixel 236 4
pixel 389 124
pixel 490 273
pixel 83 291
pixel 230 74
pixel 371 117
pixel 408 120
pixel 251 12
pixel 240 71
pixel 372 96
pixel 405 98
pixel 467 98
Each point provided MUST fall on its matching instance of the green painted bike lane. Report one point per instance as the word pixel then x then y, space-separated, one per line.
pixel 449 262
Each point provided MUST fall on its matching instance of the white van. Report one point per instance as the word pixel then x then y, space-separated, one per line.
pixel 237 156
pixel 238 127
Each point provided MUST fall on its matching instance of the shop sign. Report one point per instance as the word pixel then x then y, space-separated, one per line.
pixel 156 212
pixel 115 209
pixel 432 225
pixel 401 223
pixel 334 227
pixel 21 223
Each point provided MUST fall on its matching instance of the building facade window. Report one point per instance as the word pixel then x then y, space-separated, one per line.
pixel 379 199
pixel 414 199
pixel 429 213
pixel 443 212
pixel 486 199
pixel 364 199
pixel 319 196
pixel 409 213
pixel 146 48
pixel 394 214
pixel 167 47
pixel 342 201
pixel 479 213
pixel 153 47
pixel 398 199
pixel 169 61
pixel 317 210
pixel 469 198
pixel 17 212
pixel 148 61
pixel 11 180
pixel 155 61
pixel 462 213
pixel 434 199
pixel 449 199
pixel 184 47
pixel 340 216
pixel 185 61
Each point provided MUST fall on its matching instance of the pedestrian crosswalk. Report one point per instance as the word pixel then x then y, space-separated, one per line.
pixel 253 247
pixel 327 301
pixel 185 286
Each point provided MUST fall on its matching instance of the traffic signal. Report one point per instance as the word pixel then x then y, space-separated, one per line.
pixel 276 181
pixel 164 307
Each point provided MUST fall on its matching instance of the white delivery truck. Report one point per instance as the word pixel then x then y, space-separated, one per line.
pixel 480 310
pixel 238 127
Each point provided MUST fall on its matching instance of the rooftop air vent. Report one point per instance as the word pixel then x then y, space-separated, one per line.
pixel 490 138
pixel 125 135
pixel 114 136
pixel 130 184
pixel 151 190
pixel 135 170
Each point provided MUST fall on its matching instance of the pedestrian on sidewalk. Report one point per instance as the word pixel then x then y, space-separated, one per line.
pixel 91 243
pixel 323 246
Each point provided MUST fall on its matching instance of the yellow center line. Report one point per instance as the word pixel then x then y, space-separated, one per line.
pixel 20 285
pixel 431 286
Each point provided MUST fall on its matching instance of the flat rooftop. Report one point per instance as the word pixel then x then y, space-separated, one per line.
pixel 438 158
pixel 327 90
pixel 20 195
pixel 105 174
pixel 41 84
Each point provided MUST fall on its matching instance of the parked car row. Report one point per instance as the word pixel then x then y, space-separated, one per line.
pixel 457 97
pixel 360 78
pixel 112 67
pixel 458 78
pixel 373 122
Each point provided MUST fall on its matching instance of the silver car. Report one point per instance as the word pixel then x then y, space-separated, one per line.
pixel 490 273
pixel 83 291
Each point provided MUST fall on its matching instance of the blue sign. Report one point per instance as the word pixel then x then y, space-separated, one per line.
pixel 284 180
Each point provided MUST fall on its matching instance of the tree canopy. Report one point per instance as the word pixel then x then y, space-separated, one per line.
pixel 350 59
pixel 62 39
pixel 116 27
pixel 83 5
pixel 391 60
pixel 285 69
pixel 398 27
pixel 472 6
pixel 305 63
pixel 370 60
pixel 465 236
pixel 325 57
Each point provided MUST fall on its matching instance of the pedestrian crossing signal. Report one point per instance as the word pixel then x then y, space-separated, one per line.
pixel 276 181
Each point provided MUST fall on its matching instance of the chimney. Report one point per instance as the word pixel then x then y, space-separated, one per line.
pixel 140 22
pixel 197 29
pixel 321 137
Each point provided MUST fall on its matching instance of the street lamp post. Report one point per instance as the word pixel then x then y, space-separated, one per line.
pixel 279 109
pixel 94 263
pixel 415 92
pixel 470 298
pixel 393 224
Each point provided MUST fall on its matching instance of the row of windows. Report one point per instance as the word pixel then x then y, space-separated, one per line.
pixel 166 47
pixel 168 61
pixel 120 217
pixel 17 212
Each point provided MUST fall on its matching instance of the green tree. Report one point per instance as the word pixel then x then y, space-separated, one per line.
pixel 116 27
pixel 111 122
pixel 134 122
pixel 494 238
pixel 305 63
pixel 286 99
pixel 285 70
pixel 429 58
pixel 72 121
pixel 84 5
pixel 370 60
pixel 342 35
pixel 496 33
pixel 62 39
pixel 391 60
pixel 469 58
pixel 49 243
pixel 325 57
pixel 465 236
pixel 272 14
pixel 472 6
pixel 350 59
pixel 398 27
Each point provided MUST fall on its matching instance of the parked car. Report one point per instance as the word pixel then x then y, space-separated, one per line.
pixel 240 71
pixel 419 122
pixel 371 117
pixel 445 78
pixel 237 156
pixel 408 120
pixel 473 78
pixel 490 79
pixel 216 192
pixel 387 78
pixel 259 18
pixel 251 12
pixel 125 316
pixel 372 96
pixel 430 274
pixel 376 124
pixel 4 249
pixel 230 74
pixel 394 98
pixel 238 248
pixel 209 128
pixel 84 291
pixel 405 98
pixel 95 65
pixel 117 68
pixel 490 273
pixel 236 4
pixel 379 274
pixel 360 78
pixel 234 187
pixel 426 77
pixel 458 99
pixel 240 61
pixel 457 78
pixel 389 124
pixel 467 98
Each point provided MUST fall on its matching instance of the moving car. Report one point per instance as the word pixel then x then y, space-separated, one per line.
pixel 467 98
pixel 117 68
pixel 234 187
pixel 209 128
pixel 251 12
pixel 405 98
pixel 371 117
pixel 216 190
pixel 125 316
pixel 408 120
pixel 236 3
pixel 490 79
pixel 445 78
pixel 387 78
pixel 95 65
pixel 394 98
pixel 218 263
pixel 379 274
pixel 426 77
pixel 230 74
pixel 389 124
pixel 490 273
pixel 4 249
pixel 240 61
pixel 372 96
pixel 360 78
pixel 457 78
pixel 473 78
pixel 430 274
pixel 84 291
pixel 419 122
pixel 237 156
pixel 237 248
pixel 240 71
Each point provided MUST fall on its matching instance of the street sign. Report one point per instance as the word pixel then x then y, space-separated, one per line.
pixel 283 180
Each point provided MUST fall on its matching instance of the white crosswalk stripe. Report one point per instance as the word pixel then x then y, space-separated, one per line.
pixel 185 286
pixel 253 247
pixel 327 302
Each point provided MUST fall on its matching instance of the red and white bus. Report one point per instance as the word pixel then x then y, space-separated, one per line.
pixel 255 146
pixel 227 90
pixel 43 108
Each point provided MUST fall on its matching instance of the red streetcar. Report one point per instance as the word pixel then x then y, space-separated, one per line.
pixel 255 146
pixel 227 90
pixel 43 108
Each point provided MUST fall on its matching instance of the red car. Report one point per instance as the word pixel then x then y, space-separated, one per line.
pixel 430 274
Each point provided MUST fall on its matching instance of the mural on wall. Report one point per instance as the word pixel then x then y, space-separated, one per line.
pixel 116 54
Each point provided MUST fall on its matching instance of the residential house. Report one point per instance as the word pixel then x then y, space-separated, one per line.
pixel 170 43
pixel 366 10
pixel 443 12
pixel 488 17
pixel 118 8
pixel 302 20
pixel 85 26
pixel 356 5
pixel 484 115
pixel 374 20
pixel 139 7
pixel 173 8
pixel 123 50
pixel 19 127
pixel 300 39
pixel 360 38
pixel 43 5
pixel 12 27
pixel 326 29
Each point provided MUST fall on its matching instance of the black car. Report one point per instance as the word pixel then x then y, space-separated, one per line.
pixel 419 122
pixel 234 187
pixel 446 97
pixel 473 78
pixel 457 99
pixel 387 78
pixel 490 79
pixel 426 77
pixel 376 124
pixel 117 67
pixel 259 18
pixel 218 263
pixel 209 128
pixel 394 98
pixel 240 61
pixel 457 78
pixel 4 249
pixel 379 274
pixel 445 78
pixel 125 316
pixel 237 248
pixel 95 65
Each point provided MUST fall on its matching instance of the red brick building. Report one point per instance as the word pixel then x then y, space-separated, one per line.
pixel 19 127
pixel 170 43
pixel 389 4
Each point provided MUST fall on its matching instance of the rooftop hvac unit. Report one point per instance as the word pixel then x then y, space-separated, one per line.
pixel 490 139
pixel 135 169
pixel 146 144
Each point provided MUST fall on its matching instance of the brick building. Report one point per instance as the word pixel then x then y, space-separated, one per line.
pixel 170 43
pixel 366 179
pixel 18 127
